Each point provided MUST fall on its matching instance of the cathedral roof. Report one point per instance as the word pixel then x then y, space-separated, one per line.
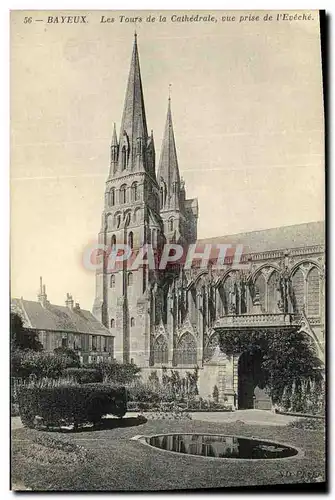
pixel 168 169
pixel 278 238
pixel 57 318
pixel 133 119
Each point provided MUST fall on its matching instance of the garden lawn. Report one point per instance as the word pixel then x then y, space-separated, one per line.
pixel 115 462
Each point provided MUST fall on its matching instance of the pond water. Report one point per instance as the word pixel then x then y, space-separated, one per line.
pixel 220 446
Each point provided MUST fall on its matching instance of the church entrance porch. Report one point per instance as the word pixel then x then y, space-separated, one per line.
pixel 251 393
pixel 244 341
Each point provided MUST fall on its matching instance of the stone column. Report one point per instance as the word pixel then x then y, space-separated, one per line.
pixel 229 392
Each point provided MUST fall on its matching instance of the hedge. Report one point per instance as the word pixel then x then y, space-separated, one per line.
pixel 84 375
pixel 70 404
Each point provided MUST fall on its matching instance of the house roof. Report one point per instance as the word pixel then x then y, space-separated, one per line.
pixel 278 238
pixel 58 318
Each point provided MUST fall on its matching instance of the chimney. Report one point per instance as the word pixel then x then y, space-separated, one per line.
pixel 42 295
pixel 77 306
pixel 69 301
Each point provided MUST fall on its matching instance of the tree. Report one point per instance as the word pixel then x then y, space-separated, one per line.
pixel 23 338
pixel 70 353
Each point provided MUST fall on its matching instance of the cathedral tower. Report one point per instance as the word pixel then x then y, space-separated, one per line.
pixel 130 216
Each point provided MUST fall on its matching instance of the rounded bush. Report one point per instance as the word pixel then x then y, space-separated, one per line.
pixel 66 405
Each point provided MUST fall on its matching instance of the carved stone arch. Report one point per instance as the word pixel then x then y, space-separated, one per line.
pixel 221 279
pixel 160 350
pixel 186 349
pixel 199 277
pixel 255 273
pixel 305 270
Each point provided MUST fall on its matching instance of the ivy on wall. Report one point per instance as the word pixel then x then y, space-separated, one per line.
pixel 289 363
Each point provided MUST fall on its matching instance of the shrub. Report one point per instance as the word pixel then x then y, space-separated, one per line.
pixel 70 403
pixel 117 373
pixel 84 375
pixel 70 353
pixel 28 363
pixel 142 393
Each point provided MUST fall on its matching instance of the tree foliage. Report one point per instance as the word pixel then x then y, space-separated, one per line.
pixel 289 362
pixel 23 338
pixel 70 353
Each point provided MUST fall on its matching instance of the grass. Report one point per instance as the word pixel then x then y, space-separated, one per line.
pixel 114 462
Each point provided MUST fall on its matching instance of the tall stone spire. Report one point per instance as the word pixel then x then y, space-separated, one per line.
pixel 168 171
pixel 134 124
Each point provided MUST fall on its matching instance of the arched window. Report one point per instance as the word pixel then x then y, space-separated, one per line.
pixel 161 194
pixel 130 279
pixel 273 294
pixel 298 286
pixel 117 220
pixel 123 191
pixel 160 350
pixel 112 323
pixel 170 225
pixel 313 292
pixel 134 191
pixel 260 288
pixel 186 353
pixel 112 197
pixel 112 280
pixel 113 240
pixel 131 239
pixel 124 158
pixel 132 322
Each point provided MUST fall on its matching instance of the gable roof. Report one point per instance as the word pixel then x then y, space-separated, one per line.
pixel 278 238
pixel 57 318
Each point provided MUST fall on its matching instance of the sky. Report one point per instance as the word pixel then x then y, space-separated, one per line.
pixel 247 111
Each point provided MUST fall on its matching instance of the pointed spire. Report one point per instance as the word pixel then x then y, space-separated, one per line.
pixel 168 169
pixel 114 138
pixel 134 119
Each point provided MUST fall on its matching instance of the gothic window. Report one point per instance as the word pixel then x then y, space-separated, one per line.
pixel 273 293
pixel 131 239
pixel 134 191
pixel 186 353
pixel 112 280
pixel 298 285
pixel 313 293
pixel 130 279
pixel 170 224
pixel 124 158
pixel 260 287
pixel 132 322
pixel 160 350
pixel 117 220
pixel 112 323
pixel 112 197
pixel 123 195
pixel 113 240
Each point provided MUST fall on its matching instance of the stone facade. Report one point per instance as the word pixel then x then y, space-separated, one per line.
pixel 173 317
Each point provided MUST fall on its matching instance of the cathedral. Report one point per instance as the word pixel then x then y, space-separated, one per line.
pixel 173 317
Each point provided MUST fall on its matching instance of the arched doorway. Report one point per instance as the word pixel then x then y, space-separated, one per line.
pixel 251 390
